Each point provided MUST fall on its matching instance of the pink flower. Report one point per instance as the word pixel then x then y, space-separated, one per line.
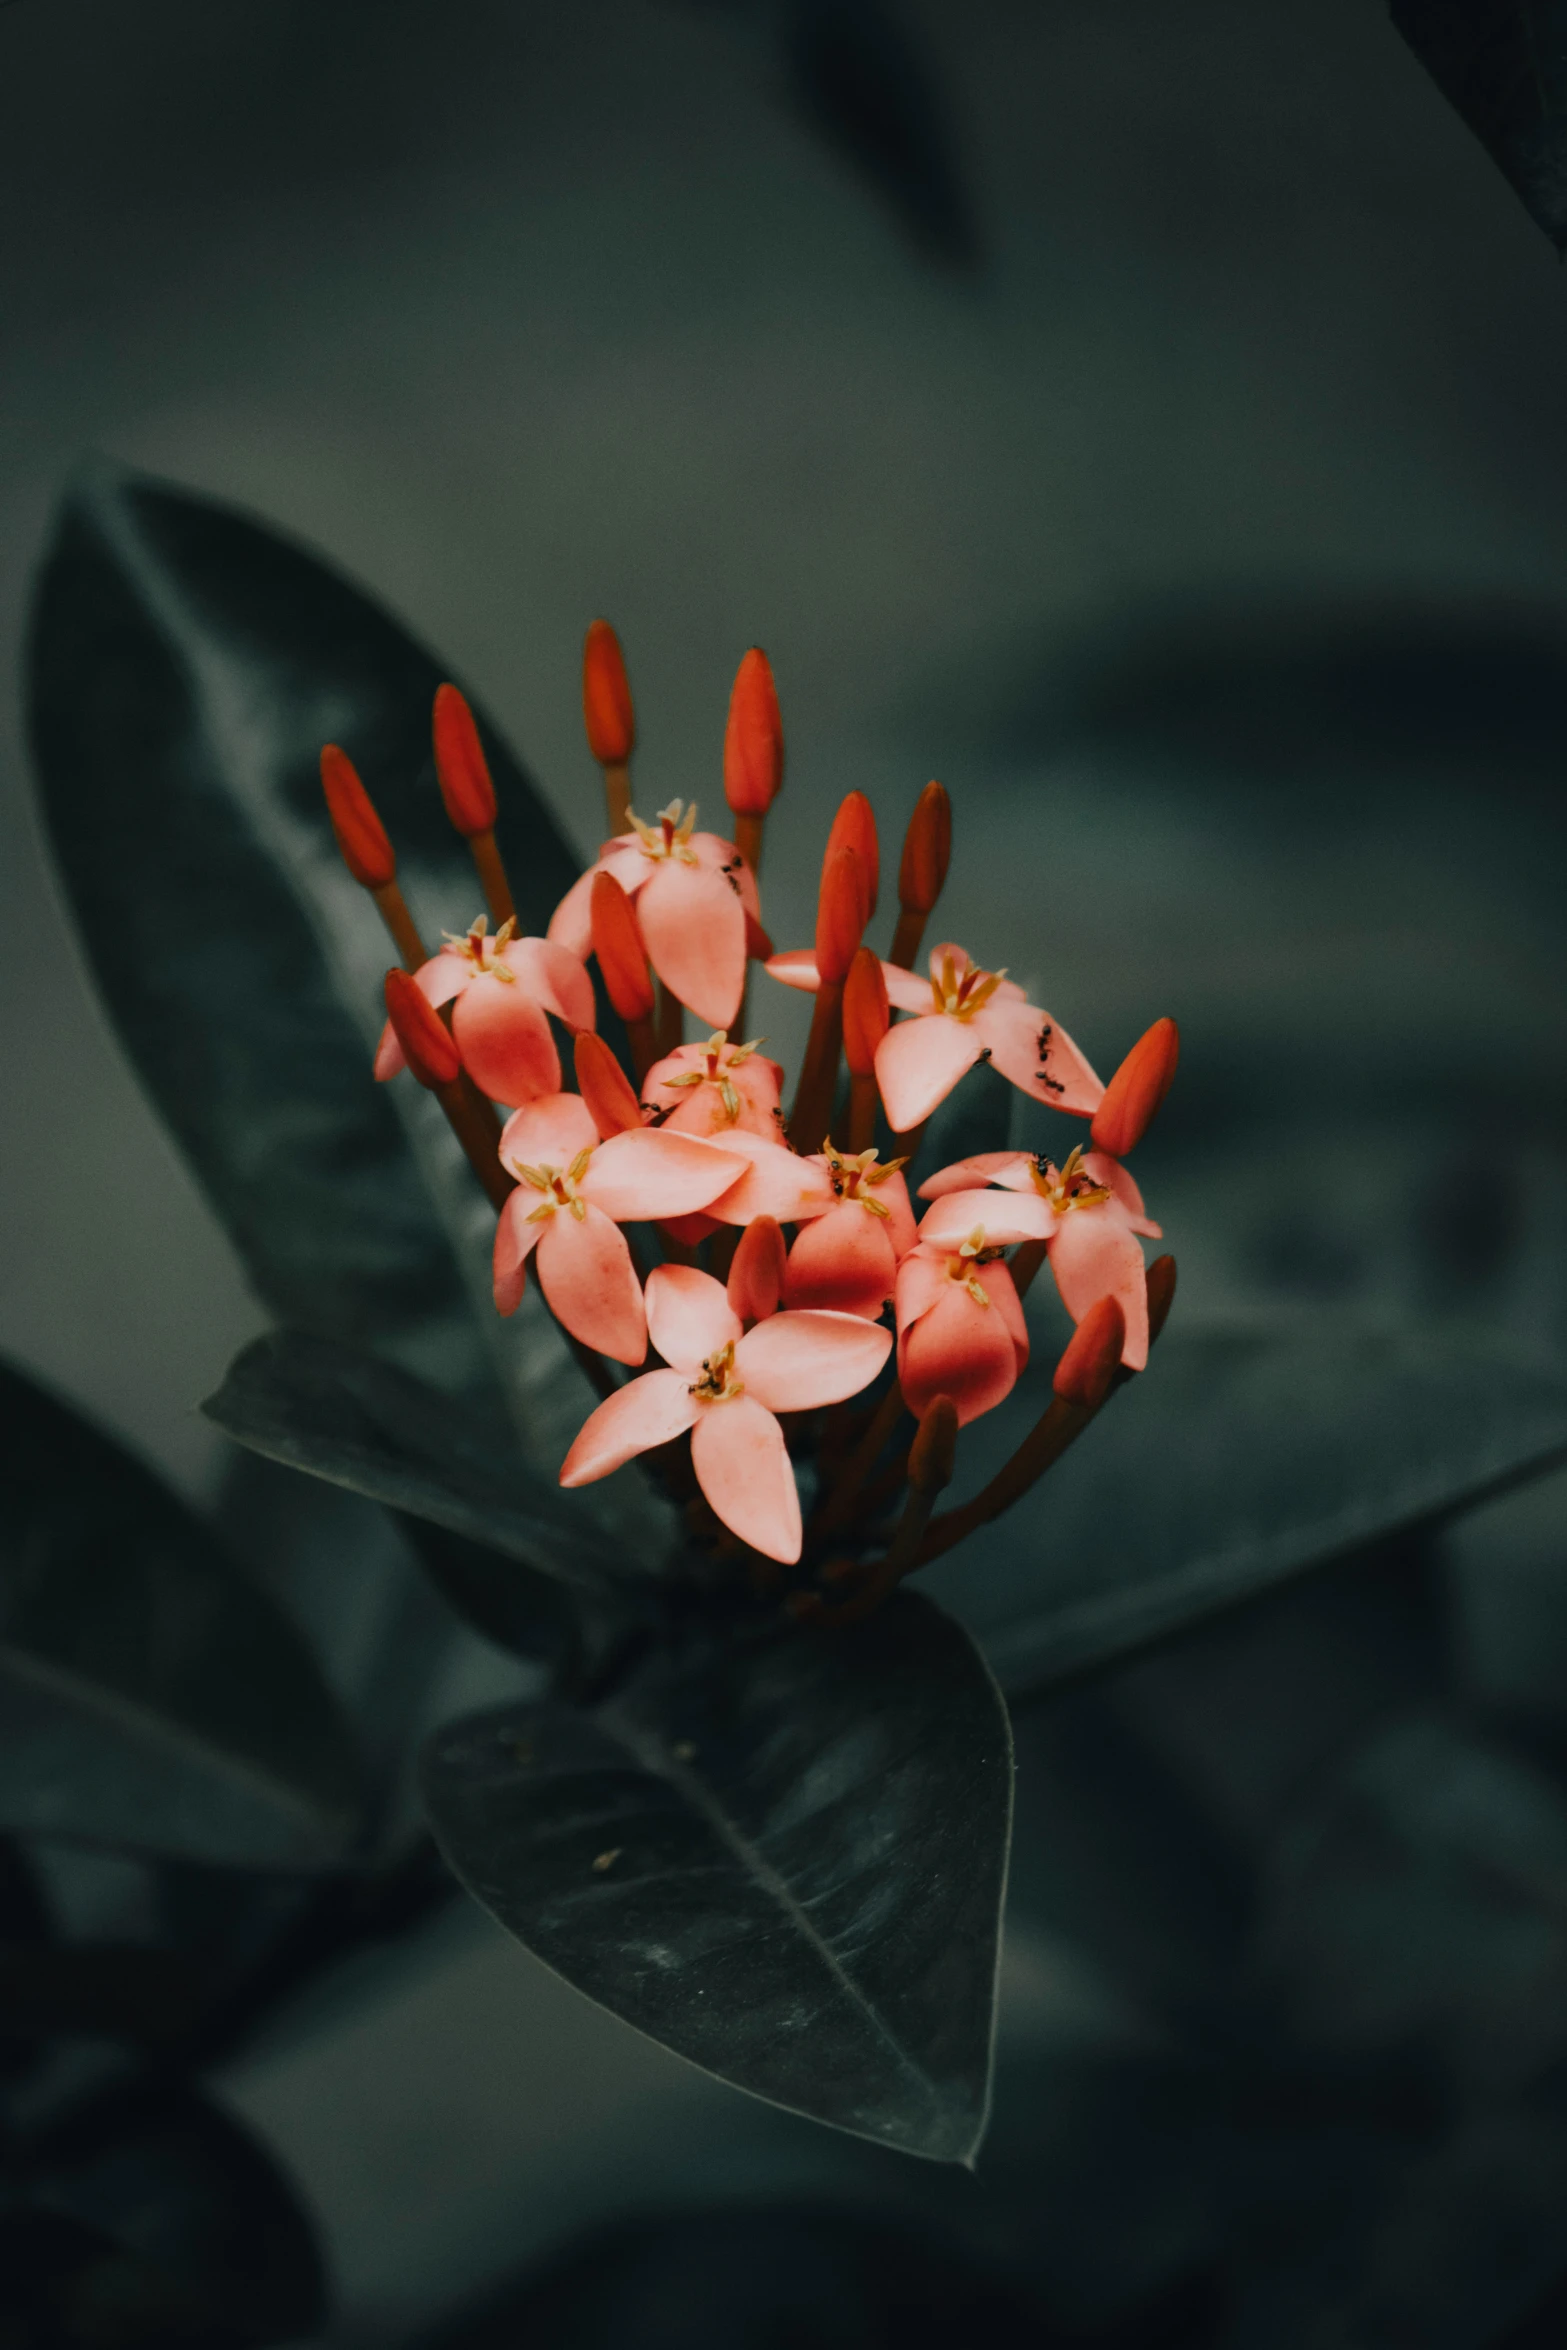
pixel 503 986
pixel 847 1258
pixel 714 1087
pixel 695 900
pixel 962 1015
pixel 777 1183
pixel 728 1386
pixel 960 1326
pixel 573 1192
pixel 1088 1212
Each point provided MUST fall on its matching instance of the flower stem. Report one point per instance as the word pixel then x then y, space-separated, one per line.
pixel 392 907
pixel 617 794
pixel 644 1047
pixel 819 1070
pixel 748 839
pixel 492 877
pixel 670 1022
pixel 906 939
pixel 862 1113
pixel 839 1505
pixel 474 1122
pixel 1026 1264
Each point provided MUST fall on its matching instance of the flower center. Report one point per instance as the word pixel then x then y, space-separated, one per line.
pixel 1068 1186
pixel 976 1250
pixel 961 990
pixel 854 1174
pixel 483 952
pixel 669 835
pixel 719 1056
pixel 716 1382
pixel 559 1186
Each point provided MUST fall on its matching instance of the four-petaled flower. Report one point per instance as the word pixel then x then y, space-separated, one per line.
pixel 696 906
pixel 847 1257
pixel 715 1087
pixel 961 1015
pixel 573 1192
pixel 960 1324
pixel 727 1385
pixel 1087 1211
pixel 503 987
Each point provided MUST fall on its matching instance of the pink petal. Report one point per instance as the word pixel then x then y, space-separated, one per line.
pixel 548 1133
pixel 779 1183
pixel 893 1193
pixel 1013 1170
pixel 1013 1033
pixel 645 1412
pixel 585 1271
pixel 639 1177
pixel 918 1062
pixel 688 1231
pixel 1001 1289
pixel 571 924
pixel 442 977
pixel 1094 1256
pixel 906 990
pixel 959 1348
pixel 1003 1216
pixel 796 967
pixel 689 1316
pixel 516 1238
pixel 693 926
pixel 795 1361
pixel 505 1041
pixel 844 1261
pixel 922 1276
pixel 1128 1198
pixel 743 1466
pixel 555 978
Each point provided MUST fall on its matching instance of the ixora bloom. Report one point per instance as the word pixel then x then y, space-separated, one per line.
pixel 1088 1212
pixel 574 1190
pixel 503 987
pixel 727 1385
pixel 961 1015
pixel 847 1258
pixel 715 1087
pixel 696 906
pixel 960 1325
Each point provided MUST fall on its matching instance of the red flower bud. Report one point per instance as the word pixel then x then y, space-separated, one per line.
pixel 361 836
pixel 1092 1357
pixel 605 1087
pixel 460 765
pixel 927 851
pixel 607 709
pixel 866 1016
pixel 756 1275
pixel 841 915
pixel 1161 1294
pixel 753 738
pixel 1136 1090
pixel 933 1454
pixel 617 942
pixel 428 1045
pixel 854 827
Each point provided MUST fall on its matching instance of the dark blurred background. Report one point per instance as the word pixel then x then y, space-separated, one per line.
pixel 1163 441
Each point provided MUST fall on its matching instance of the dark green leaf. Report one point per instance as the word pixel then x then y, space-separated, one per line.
pixel 1503 65
pixel 1237 1460
pixel 783 1859
pixel 148 1695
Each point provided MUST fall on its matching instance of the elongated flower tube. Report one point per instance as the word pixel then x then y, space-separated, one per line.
pixel 727 1385
pixel 693 893
pixel 468 793
pixel 847 1259
pixel 501 988
pixel 574 1189
pixel 960 1326
pixel 365 849
pixel 753 752
pixel 854 827
pixel 1088 1212
pixel 922 871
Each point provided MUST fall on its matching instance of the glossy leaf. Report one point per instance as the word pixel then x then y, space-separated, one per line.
pixel 1502 64
pixel 1237 1460
pixel 149 1696
pixel 784 1859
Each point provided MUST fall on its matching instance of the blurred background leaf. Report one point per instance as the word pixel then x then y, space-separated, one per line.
pixel 1503 65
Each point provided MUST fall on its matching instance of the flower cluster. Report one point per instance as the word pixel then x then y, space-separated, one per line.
pixel 786 1237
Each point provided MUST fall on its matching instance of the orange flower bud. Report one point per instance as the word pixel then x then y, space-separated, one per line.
pixel 933 1454
pixel 361 836
pixel 1136 1090
pixel 756 1275
pixel 854 827
pixel 460 765
pixel 753 738
pixel 927 851
pixel 866 1016
pixel 428 1045
pixel 607 710
pixel 622 957
pixel 1092 1357
pixel 841 915
pixel 605 1088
